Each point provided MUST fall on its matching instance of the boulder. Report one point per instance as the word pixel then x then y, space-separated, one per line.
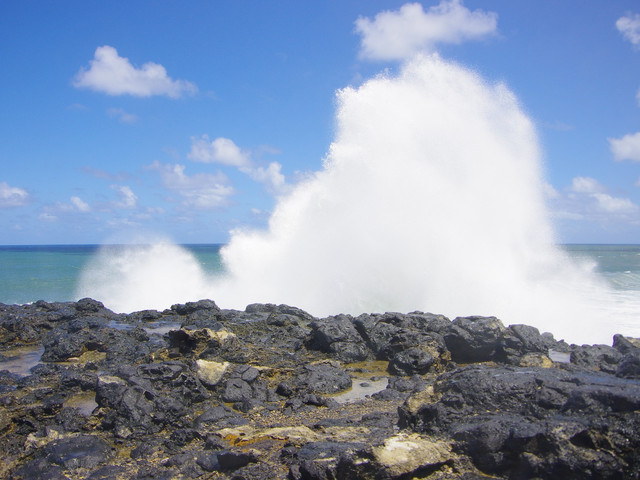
pixel 597 357
pixel 475 339
pixel 536 422
pixel 629 366
pixel 338 337
pixel 325 377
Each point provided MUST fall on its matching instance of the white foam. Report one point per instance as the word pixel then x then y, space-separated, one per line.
pixel 128 278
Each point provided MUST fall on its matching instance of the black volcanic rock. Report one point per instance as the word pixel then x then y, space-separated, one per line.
pixel 274 393
pixel 535 422
pixel 338 336
pixel 475 339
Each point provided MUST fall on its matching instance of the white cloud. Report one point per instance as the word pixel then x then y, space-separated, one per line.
pixel 271 177
pixel 609 204
pixel 587 199
pixel 121 115
pixel 585 185
pixel 202 191
pixel 225 152
pixel 76 204
pixel 629 26
pixel 221 150
pixel 114 75
pixel 397 35
pixel 80 205
pixel 12 196
pixel 626 148
pixel 127 199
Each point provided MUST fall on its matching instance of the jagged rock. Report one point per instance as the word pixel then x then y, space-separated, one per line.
pixel 193 341
pixel 218 417
pixel 270 309
pixel 547 416
pixel 522 340
pixel 70 453
pixel 411 361
pixel 235 460
pixel 318 460
pixel 339 337
pixel 475 339
pixel 158 400
pixel 191 307
pixel 626 344
pixel 629 366
pixel 89 305
pixel 321 378
pixel 60 346
pixel 597 357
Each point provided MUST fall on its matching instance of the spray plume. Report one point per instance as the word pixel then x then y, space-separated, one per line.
pixel 430 198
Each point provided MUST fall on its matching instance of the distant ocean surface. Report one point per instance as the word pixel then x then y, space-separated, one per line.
pixel 29 273
pixel 51 272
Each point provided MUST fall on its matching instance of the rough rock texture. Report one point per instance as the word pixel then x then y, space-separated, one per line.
pixel 274 393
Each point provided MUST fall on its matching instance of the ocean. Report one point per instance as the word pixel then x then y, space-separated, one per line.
pixel 53 272
pixel 29 273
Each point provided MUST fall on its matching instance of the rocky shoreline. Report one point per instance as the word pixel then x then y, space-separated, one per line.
pixel 274 393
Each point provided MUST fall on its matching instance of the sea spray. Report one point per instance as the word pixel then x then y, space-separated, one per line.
pixel 143 276
pixel 430 198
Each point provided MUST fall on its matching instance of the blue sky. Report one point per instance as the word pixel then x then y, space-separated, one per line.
pixel 190 118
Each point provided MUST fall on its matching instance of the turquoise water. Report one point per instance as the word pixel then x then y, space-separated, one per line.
pixel 618 264
pixel 50 272
pixel 145 277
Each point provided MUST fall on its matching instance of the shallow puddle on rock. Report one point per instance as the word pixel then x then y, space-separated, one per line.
pixel 84 402
pixel 21 360
pixel 361 389
pixel 120 325
pixel 367 377
pixel 160 328
pixel 560 357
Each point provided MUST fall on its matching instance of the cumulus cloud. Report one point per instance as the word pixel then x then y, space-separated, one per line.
pixel 201 191
pixel 126 198
pixel 609 204
pixel 114 75
pixel 397 35
pixel 12 196
pixel 80 205
pixel 585 185
pixel 590 188
pixel 588 199
pixel 626 148
pixel 271 176
pixel 221 150
pixel 75 205
pixel 629 26
pixel 224 151
pixel 122 116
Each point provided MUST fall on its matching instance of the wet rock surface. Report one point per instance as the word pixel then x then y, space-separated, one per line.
pixel 271 392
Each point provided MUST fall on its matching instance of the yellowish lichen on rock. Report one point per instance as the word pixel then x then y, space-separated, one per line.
pixel 404 453
pixel 247 434
pixel 417 400
pixel 535 360
pixel 210 372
